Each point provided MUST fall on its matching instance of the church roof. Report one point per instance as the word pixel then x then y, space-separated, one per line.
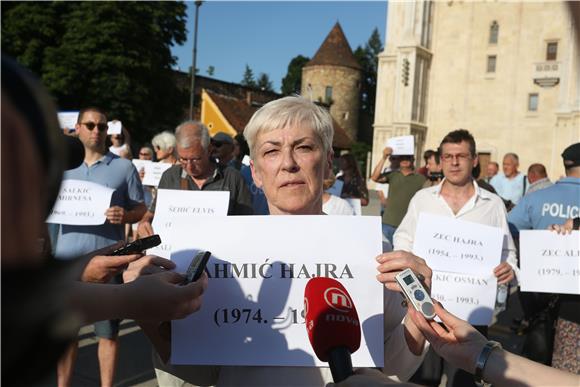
pixel 335 51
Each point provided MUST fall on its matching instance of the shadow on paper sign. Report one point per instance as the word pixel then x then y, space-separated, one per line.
pixel 241 330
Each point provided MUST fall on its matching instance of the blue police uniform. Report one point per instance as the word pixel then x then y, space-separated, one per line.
pixel 552 205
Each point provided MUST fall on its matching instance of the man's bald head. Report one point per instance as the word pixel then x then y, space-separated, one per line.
pixel 536 172
pixel 191 131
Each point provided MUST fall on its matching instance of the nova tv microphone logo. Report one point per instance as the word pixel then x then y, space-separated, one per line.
pixel 338 300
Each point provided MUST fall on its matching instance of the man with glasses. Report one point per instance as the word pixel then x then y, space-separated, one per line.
pixel 458 196
pixel 102 167
pixel 197 171
pixel 403 184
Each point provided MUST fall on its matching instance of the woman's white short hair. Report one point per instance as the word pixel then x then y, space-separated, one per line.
pixel 164 140
pixel 287 112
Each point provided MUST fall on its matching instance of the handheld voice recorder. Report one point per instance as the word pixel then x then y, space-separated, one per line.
pixel 415 293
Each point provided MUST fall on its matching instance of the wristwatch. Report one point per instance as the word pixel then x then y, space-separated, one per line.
pixel 482 360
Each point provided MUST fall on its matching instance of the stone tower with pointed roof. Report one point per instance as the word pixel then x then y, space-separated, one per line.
pixel 333 76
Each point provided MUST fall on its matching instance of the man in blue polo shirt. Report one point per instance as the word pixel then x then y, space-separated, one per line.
pixel 105 168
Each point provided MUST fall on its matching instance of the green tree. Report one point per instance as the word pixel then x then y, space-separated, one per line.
pixel 263 83
pixel 367 58
pixel 248 79
pixel 291 83
pixel 116 55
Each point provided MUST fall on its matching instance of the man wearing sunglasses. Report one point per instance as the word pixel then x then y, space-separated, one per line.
pixel 102 167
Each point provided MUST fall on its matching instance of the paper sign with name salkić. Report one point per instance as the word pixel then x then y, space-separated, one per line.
pixel 173 205
pixel 81 203
pixel 253 307
pixel 549 262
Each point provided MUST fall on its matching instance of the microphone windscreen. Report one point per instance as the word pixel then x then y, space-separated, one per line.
pixel 331 317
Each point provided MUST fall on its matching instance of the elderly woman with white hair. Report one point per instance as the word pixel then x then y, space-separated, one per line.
pixel 290 142
pixel 164 145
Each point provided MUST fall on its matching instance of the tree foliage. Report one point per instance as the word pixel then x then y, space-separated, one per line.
pixel 291 83
pixel 116 55
pixel 367 58
pixel 248 78
pixel 263 83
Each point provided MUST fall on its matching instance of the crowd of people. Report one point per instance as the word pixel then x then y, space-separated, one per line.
pixel 289 144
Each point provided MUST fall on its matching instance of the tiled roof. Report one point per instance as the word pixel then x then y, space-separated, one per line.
pixel 238 112
pixel 335 51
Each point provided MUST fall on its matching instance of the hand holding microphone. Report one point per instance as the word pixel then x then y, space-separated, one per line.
pixel 332 324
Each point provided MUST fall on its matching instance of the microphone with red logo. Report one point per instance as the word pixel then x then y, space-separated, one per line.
pixel 332 324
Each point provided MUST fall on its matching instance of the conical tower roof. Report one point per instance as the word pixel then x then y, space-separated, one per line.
pixel 335 51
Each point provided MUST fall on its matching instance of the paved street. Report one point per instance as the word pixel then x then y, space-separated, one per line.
pixel 135 368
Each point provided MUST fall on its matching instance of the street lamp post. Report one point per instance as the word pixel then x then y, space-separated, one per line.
pixel 192 90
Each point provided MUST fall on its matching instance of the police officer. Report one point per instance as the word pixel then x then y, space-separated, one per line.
pixel 555 204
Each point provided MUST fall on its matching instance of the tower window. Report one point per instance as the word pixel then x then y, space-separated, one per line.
pixel 491 61
pixel 328 94
pixel 533 102
pixel 552 51
pixel 493 32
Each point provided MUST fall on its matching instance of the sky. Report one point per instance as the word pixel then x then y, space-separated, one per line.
pixel 266 35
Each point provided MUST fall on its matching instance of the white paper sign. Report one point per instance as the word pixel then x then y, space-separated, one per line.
pixel 470 297
pixel 81 203
pixel 68 120
pixel 336 188
pixel 384 188
pixel 114 127
pixel 549 263
pixel 153 172
pixel 457 246
pixel 403 145
pixel 355 204
pixel 140 164
pixel 254 317
pixel 173 204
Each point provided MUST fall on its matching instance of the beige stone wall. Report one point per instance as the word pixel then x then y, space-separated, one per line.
pixel 345 83
pixel 494 107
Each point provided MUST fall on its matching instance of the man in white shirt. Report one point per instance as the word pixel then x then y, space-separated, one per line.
pixel 458 196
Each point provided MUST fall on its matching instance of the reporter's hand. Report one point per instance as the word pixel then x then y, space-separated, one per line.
pixel 144 229
pixel 102 268
pixel 391 264
pixel 115 215
pixel 504 273
pixel 159 297
pixel 458 342
pixel 149 264
pixel 141 173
